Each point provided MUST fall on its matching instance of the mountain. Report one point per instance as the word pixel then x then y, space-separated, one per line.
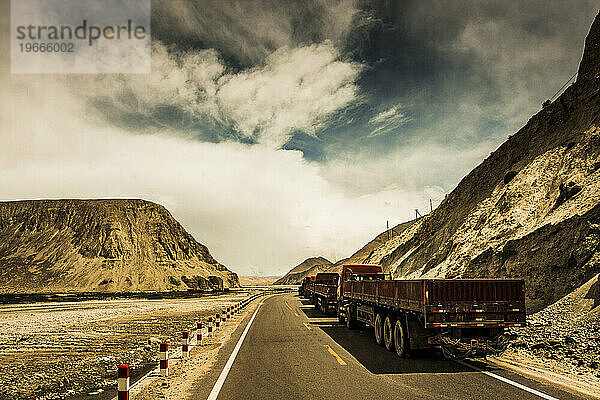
pixel 313 266
pixel 308 267
pixel 116 245
pixel 530 210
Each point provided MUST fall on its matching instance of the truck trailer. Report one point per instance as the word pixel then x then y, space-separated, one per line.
pixel 326 291
pixel 462 317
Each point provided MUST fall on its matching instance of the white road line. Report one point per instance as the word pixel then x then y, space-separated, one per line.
pixel 219 384
pixel 513 383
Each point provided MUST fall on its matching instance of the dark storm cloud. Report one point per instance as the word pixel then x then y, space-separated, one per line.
pixel 437 73
pixel 246 32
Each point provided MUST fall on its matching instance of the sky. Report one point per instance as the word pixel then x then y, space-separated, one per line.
pixel 276 131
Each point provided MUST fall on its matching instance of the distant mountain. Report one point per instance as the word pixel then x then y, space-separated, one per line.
pixel 257 280
pixel 313 266
pixel 530 210
pixel 308 267
pixel 101 245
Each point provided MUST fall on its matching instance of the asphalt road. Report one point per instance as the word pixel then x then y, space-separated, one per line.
pixel 291 351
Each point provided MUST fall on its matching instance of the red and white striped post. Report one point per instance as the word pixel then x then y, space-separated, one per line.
pixel 199 329
pixel 185 345
pixel 210 325
pixel 123 383
pixel 217 321
pixel 228 312
pixel 224 317
pixel 164 359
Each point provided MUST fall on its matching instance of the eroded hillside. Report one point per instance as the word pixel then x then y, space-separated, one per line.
pixel 101 245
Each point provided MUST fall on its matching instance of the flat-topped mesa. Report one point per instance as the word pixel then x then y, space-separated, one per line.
pixel 112 245
pixel 589 68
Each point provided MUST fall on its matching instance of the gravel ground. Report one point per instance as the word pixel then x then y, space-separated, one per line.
pixel 564 337
pixel 72 350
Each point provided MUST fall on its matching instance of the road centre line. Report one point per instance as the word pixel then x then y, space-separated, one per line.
pixel 307 326
pixel 337 357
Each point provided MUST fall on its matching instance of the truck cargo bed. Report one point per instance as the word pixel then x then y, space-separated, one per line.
pixel 448 302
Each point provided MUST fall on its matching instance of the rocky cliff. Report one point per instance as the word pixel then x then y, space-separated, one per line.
pixel 101 245
pixel 531 210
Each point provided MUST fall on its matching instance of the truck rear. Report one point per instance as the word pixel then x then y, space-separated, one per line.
pixel 310 287
pixel 463 317
pixel 326 289
pixel 303 286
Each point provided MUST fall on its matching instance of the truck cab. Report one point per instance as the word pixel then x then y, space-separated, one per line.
pixel 355 272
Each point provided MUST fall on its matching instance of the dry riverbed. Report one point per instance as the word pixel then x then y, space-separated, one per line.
pixel 69 350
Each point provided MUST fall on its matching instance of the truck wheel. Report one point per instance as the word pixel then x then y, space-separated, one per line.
pixel 323 311
pixel 401 339
pixel 378 329
pixel 350 318
pixel 388 333
pixel 339 314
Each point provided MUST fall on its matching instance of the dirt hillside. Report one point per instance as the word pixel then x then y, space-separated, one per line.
pixel 101 245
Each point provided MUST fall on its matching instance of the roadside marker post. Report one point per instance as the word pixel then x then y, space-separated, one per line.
pixel 199 328
pixel 164 359
pixel 217 321
pixel 224 317
pixel 210 326
pixel 185 346
pixel 123 382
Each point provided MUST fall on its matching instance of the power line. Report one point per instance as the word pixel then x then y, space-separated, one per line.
pixel 562 87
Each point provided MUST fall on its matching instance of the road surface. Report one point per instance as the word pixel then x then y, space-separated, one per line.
pixel 290 351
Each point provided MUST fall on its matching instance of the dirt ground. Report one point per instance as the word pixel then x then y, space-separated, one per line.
pixel 72 350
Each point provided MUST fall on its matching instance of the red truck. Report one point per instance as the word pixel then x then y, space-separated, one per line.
pixel 310 287
pixel 463 317
pixel 325 293
pixel 303 286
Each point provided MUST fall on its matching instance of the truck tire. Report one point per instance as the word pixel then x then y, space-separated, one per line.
pixel 401 340
pixel 388 333
pixel 350 318
pixel 323 310
pixel 378 329
pixel 339 314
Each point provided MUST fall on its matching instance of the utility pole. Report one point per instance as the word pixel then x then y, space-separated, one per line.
pixel 417 214
pixel 387 229
pixel 430 205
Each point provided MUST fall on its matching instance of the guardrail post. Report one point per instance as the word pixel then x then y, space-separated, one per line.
pixel 199 328
pixel 217 321
pixel 164 359
pixel 185 345
pixel 123 382
pixel 210 325
pixel 224 317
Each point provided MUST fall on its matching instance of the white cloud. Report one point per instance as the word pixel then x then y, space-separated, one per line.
pixel 296 89
pixel 256 208
pixel 388 120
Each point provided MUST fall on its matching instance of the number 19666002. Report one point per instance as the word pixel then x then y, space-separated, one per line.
pixel 46 47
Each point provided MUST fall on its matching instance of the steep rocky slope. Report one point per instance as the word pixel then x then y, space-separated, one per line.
pixel 101 245
pixel 530 210
pixel 308 267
